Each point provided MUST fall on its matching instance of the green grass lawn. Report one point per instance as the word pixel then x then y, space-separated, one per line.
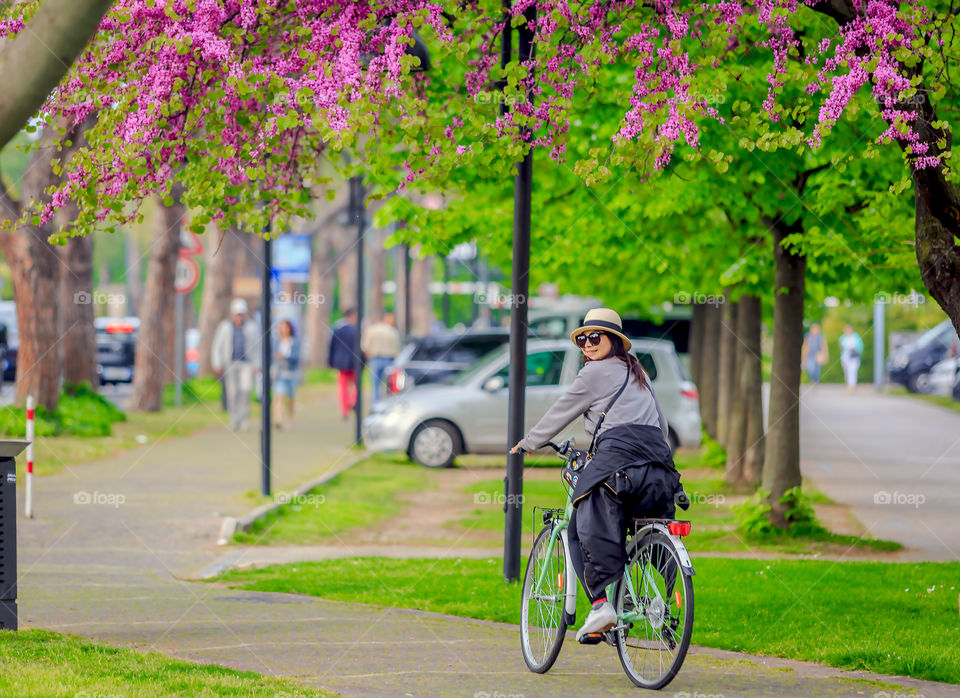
pixel 714 521
pixel 41 663
pixel 363 496
pixel 940 400
pixel 892 618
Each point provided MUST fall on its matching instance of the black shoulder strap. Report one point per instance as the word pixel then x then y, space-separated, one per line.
pixel 603 414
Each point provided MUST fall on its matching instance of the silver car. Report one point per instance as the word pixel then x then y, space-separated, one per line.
pixel 433 423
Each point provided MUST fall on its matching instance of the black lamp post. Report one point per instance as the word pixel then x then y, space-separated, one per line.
pixel 520 291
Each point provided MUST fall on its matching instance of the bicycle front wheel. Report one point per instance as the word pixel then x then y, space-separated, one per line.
pixel 654 601
pixel 542 626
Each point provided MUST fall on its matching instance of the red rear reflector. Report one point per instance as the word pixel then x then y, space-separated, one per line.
pixel 679 528
pixel 678 598
pixel 119 328
pixel 560 581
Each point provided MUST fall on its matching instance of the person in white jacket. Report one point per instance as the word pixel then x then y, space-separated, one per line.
pixel 235 355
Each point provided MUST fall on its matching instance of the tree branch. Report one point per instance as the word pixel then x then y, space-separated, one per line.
pixel 33 63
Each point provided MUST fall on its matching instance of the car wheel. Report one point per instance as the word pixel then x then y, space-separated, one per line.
pixel 434 444
pixel 919 383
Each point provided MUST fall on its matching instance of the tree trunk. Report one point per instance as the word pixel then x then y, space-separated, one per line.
pixel 378 274
pixel 35 272
pixel 937 233
pixel 222 252
pixel 316 324
pixel 346 245
pixel 30 69
pixel 782 458
pixel 696 341
pixel 422 316
pixel 750 321
pixel 153 367
pixel 727 368
pixel 79 338
pixel 747 398
pixel 709 367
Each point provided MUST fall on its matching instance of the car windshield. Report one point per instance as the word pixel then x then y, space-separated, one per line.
pixel 938 333
pixel 485 361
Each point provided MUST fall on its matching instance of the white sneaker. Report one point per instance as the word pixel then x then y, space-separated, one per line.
pixel 600 619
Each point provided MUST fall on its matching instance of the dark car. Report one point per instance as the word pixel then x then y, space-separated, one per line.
pixel 910 364
pixel 116 348
pixel 8 319
pixel 439 357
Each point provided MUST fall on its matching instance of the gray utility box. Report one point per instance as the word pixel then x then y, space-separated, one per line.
pixel 9 449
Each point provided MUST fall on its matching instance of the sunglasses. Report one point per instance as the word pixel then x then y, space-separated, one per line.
pixel 594 338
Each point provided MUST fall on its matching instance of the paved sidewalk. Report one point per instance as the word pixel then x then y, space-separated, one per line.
pixel 895 459
pixel 107 557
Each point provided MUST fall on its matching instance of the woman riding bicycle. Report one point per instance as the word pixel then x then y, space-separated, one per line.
pixel 631 472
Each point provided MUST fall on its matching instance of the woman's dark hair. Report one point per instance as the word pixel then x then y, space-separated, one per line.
pixel 617 349
pixel 289 324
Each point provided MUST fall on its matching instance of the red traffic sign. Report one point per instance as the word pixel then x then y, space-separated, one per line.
pixel 187 275
pixel 190 243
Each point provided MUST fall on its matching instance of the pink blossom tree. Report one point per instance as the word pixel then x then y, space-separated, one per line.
pixel 241 100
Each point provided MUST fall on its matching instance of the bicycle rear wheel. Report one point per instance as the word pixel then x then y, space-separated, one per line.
pixel 542 626
pixel 655 599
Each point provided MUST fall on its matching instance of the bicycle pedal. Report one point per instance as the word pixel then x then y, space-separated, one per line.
pixel 591 639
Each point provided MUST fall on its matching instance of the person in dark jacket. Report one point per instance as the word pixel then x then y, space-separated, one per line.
pixel 631 473
pixel 344 356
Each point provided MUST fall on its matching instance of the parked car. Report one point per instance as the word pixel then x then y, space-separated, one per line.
pixel 910 365
pixel 560 322
pixel 434 423
pixel 439 357
pixel 943 376
pixel 116 348
pixel 8 318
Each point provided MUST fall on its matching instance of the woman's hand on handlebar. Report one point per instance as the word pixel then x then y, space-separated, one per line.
pixel 516 449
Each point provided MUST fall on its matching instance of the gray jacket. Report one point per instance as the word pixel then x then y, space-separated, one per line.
pixel 591 392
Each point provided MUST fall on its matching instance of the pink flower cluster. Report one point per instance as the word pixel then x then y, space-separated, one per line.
pixel 254 91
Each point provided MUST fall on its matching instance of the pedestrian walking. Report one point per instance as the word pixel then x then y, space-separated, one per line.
pixel 235 356
pixel 851 351
pixel 286 374
pixel 380 344
pixel 344 351
pixel 814 354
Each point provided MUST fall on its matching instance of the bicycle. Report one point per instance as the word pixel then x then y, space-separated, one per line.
pixel 653 599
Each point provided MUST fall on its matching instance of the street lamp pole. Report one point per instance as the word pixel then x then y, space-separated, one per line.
pixel 357 213
pixel 265 356
pixel 519 289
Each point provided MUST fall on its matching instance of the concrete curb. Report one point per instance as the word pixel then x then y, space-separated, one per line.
pixel 232 524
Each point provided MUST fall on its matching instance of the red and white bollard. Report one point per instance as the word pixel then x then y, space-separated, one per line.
pixel 30 434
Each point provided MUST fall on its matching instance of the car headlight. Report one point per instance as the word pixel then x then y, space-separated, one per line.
pixel 388 406
pixel 900 360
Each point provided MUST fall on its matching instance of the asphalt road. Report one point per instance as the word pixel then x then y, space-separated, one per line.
pixel 894 459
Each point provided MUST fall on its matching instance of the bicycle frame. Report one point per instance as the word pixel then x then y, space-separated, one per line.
pixel 570 592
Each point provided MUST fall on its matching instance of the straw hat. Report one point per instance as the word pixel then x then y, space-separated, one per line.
pixel 605 320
